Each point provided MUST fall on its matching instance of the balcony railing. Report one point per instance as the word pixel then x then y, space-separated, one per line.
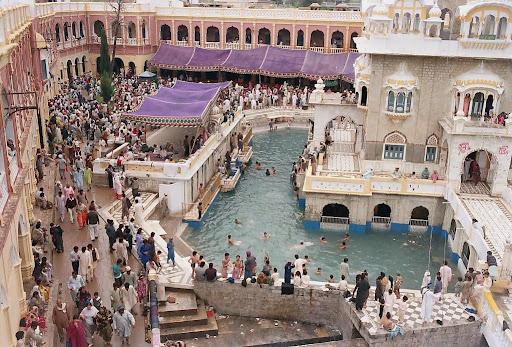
pixel 232 45
pixel 4 192
pixel 487 37
pixel 335 50
pixel 247 46
pixel 285 46
pixel 334 223
pixel 131 41
pixel 13 168
pixel 317 49
pixel 212 45
pixel 182 43
pixel 119 40
pixel 145 41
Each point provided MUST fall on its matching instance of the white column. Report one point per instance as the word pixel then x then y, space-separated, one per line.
pixel 460 111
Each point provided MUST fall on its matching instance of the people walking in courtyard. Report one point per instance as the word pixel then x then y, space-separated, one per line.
pixel 123 323
pixel 446 276
pixel 103 323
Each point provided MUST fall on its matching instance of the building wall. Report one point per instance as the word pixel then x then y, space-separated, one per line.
pixel 432 102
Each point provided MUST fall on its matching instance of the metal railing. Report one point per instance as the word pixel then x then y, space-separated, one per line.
pixel 4 191
pixel 334 223
pixel 189 209
pixel 418 222
pixel 381 220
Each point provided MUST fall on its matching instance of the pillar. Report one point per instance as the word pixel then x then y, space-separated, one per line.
pixel 327 39
pixel 306 37
pixel 460 111
pixel 293 37
pixel 273 35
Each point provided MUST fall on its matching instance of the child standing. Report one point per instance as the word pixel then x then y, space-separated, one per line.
pixel 402 307
pixel 458 286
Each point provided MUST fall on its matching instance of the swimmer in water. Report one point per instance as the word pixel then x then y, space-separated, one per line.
pixel 323 240
pixel 319 271
pixel 267 172
pixel 233 242
pixel 346 239
pixel 343 245
pixel 273 171
pixel 266 236
pixel 237 222
pixel 258 166
pixel 302 244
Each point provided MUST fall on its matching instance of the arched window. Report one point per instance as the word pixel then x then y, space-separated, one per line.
pixel 82 31
pixel 364 95
pixel 391 101
pixel 337 39
pixel 502 29
pixel 264 36
pixel 317 39
pixel 98 27
pixel 66 31
pixel 382 210
pixel 478 104
pixel 394 146
pixel 165 32
pixel 84 59
pixel 77 62
pixel 182 33
pixel 335 210
pixel 466 253
pixel 248 36
pixel 419 213
pixel 73 30
pixel 396 24
pixel 143 30
pixel 431 149
pixel 212 34
pixel 416 24
pixel 197 34
pixel 57 32
pixel 283 37
pixel 352 42
pixel 489 24
pixel 400 102
pixel 409 102
pixel 300 38
pixel 474 26
pixel 453 229
pixel 406 23
pixel 132 33
pixel 232 35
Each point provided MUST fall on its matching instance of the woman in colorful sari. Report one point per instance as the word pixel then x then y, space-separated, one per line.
pixel 81 214
pixel 141 288
pixel 104 325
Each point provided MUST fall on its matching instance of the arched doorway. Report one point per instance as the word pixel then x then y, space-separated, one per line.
pixel 165 32
pixel 232 35
pixel 248 36
pixel 77 62
pixel 317 39
pixel 131 68
pixel 453 229
pixel 381 216
pixel 264 36
pixel 118 66
pixel 98 27
pixel 419 219
pixel 82 30
pixel 364 95
pixel 335 216
pixel 57 32
pixel 300 38
pixel 352 42
pixel 84 59
pixel 197 34
pixel 212 34
pixel 69 65
pixel 66 31
pixel 73 30
pixel 132 33
pixel 182 33
pixel 283 37
pixel 337 39
pixel 477 172
pixel 465 254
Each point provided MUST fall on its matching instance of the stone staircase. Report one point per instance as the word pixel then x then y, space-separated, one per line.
pixel 149 203
pixel 185 319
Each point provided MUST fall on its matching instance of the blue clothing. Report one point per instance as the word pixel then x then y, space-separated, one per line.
pixel 117 271
pixel 288 274
pixel 145 252
pixel 79 179
pixel 170 251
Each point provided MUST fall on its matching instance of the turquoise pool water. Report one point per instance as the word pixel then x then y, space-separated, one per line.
pixel 269 204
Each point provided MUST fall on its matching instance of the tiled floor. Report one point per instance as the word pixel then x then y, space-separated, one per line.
pixel 341 162
pixel 494 216
pixel 469 188
pixel 339 135
pixel 449 309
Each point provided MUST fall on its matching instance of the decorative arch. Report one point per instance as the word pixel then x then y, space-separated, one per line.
pixel 248 36
pixel 300 38
pixel 58 37
pixel 77 63
pixel 352 42
pixel 212 34
pixel 66 31
pixel 337 39
pixel 132 32
pixel 73 30
pixel 335 210
pixel 264 36
pixel 165 32
pixel 382 210
pixel 84 60
pixel 419 213
pixel 317 39
pixel 182 33
pixel 232 35
pixel 433 140
pixel 283 37
pixel 395 137
pixel 82 29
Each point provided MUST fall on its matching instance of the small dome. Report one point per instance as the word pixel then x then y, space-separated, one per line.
pixel 479 76
pixel 380 10
pixel 435 11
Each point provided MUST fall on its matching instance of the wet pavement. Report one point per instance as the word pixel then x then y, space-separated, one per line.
pixel 103 277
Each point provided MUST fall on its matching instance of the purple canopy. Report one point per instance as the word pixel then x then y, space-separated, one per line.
pixel 185 104
pixel 268 60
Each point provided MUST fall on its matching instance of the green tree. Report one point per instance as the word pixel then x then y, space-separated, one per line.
pixel 106 87
pixel 105 64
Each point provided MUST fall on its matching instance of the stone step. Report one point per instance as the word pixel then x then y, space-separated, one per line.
pixel 199 318
pixel 150 206
pixel 189 332
pixel 186 303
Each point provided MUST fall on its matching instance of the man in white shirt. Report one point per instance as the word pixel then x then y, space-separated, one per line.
pixel 343 285
pixel 87 315
pixel 305 279
pixel 298 263
pixel 275 276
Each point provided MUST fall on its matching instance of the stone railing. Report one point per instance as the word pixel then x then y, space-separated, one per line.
pixel 284 14
pixel 493 327
pixel 11 19
pixel 351 183
pixel 212 45
pixel 4 191
pixel 13 169
pixel 460 213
